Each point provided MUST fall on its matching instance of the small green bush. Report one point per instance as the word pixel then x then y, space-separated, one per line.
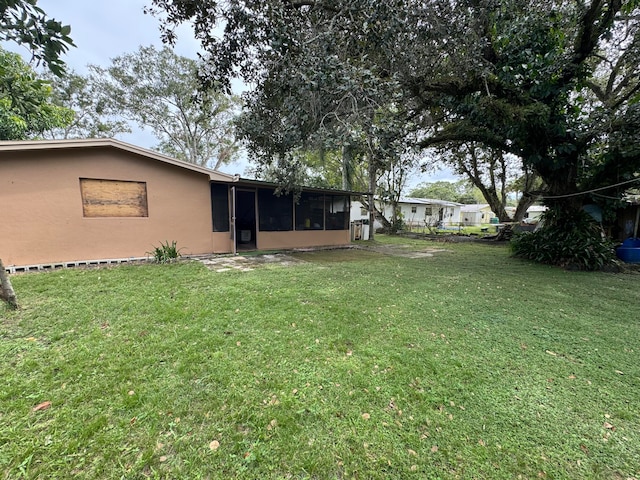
pixel 574 241
pixel 166 252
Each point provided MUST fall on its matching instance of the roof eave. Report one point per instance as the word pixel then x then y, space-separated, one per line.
pixel 31 145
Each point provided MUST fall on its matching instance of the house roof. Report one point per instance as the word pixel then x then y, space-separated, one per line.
pixel 33 145
pixel 475 207
pixel 537 208
pixel 428 201
pixel 263 183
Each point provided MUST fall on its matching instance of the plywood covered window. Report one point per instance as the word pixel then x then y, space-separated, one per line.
pixel 113 198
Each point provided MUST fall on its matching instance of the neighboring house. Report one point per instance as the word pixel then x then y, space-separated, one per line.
pixel 358 212
pixel 67 201
pixel 532 215
pixel 416 212
pixel 475 214
pixel 534 212
pixel 424 212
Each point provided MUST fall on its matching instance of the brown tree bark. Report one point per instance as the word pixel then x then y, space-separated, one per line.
pixel 6 290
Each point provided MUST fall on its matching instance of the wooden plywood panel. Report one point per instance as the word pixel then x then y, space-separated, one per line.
pixel 113 198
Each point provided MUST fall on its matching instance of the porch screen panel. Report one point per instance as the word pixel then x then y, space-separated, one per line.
pixel 113 198
pixel 337 212
pixel 275 213
pixel 310 211
pixel 220 207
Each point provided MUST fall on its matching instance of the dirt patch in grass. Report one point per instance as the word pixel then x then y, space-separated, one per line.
pixel 405 250
pixel 247 263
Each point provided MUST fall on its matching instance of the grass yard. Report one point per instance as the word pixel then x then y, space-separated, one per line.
pixel 354 364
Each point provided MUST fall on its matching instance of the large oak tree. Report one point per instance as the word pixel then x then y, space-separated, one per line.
pixel 554 82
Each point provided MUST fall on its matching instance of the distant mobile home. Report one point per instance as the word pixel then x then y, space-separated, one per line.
pixel 476 214
pixel 416 212
pixel 78 200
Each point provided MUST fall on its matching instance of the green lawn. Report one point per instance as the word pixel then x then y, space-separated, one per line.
pixel 467 364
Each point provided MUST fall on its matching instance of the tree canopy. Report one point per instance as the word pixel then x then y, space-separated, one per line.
pixel 23 22
pixel 159 89
pixel 93 116
pixel 553 82
pixel 26 107
pixel 460 191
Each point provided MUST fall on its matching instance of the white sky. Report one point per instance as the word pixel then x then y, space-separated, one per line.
pixel 104 29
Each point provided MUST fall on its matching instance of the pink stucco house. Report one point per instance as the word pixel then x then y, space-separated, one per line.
pixel 66 201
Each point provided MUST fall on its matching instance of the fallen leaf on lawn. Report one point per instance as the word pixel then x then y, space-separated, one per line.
pixel 412 452
pixel 272 424
pixel 366 416
pixel 619 372
pixel 584 448
pixel 131 392
pixel 163 459
pixel 42 406
pixel 414 468
pixel 434 449
pixel 572 377
pixel 214 445
pixel 481 442
pixel 551 353
pixel 608 426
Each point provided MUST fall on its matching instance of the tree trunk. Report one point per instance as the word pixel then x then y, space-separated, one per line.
pixel 347 161
pixel 523 204
pixel 496 168
pixel 562 188
pixel 6 290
